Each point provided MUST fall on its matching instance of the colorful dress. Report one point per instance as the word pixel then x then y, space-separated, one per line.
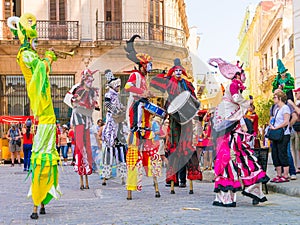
pixel 235 162
pixel 114 154
pixel 44 156
pixel 141 153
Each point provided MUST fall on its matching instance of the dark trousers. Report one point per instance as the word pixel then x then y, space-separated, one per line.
pixel 27 154
pixel 280 152
pixel 181 174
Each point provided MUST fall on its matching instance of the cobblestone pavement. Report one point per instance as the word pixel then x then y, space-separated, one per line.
pixel 108 204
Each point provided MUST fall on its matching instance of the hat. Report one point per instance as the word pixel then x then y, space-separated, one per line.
pixel 281 68
pixel 112 81
pixel 228 70
pixel 177 65
pixel 65 126
pixel 296 90
pixel 87 72
pixel 138 58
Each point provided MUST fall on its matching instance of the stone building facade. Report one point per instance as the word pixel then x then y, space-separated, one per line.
pixel 96 31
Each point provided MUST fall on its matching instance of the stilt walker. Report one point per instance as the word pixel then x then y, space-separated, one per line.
pixel 44 158
pixel 84 101
pixel 112 135
pixel 236 168
pixel 140 156
pixel 182 152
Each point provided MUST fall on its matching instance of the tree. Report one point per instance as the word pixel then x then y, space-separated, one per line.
pixel 262 108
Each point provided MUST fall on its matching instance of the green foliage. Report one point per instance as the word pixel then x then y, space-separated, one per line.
pixel 262 109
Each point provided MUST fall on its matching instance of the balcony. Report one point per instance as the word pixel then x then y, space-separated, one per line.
pixel 105 31
pixel 117 31
pixel 47 30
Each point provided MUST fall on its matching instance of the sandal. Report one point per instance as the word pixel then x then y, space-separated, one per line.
pixel 275 179
pixel 283 179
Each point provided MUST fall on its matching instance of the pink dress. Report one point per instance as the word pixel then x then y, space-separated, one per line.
pixel 235 163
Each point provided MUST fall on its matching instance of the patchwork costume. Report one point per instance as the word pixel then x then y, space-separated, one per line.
pixel 141 155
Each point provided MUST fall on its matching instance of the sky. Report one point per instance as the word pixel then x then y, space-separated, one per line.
pixel 218 23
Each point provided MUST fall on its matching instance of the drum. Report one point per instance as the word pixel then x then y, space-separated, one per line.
pixel 154 109
pixel 184 107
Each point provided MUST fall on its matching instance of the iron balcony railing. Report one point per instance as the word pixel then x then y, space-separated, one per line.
pixel 147 31
pixel 47 29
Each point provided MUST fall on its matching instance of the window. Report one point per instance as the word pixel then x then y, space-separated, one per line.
pixel 14 90
pixel 155 12
pixel 265 61
pixel 11 8
pixel 291 42
pixel 58 10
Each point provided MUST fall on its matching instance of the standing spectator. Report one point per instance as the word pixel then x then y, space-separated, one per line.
pixel 58 132
pixel 280 148
pixel 27 144
pixel 251 114
pixel 14 136
pixel 94 145
pixel 295 135
pixel 292 168
pixel 72 138
pixel 63 143
pixel 207 145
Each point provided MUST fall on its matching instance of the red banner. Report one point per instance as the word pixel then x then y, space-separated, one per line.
pixel 15 119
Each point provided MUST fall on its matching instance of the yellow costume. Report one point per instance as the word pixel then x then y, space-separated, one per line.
pixel 44 156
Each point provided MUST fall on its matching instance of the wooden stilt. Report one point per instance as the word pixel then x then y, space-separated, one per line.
pixel 129 195
pixel 191 187
pixel 172 187
pixel 104 181
pixel 81 183
pixel 87 182
pixel 157 194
